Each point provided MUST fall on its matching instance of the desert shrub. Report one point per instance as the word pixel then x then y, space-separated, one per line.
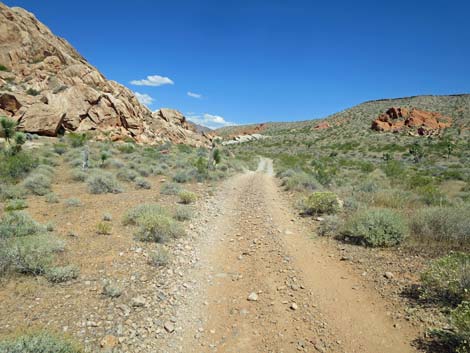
pixel 18 224
pixel 33 92
pixel 78 174
pixel 145 172
pixel 181 177
pixel 107 217
pixel 141 183
pixel 17 166
pixel 39 342
pixel 300 181
pixel 448 278
pixel 390 198
pixel 134 215
pixel 186 197
pixel 52 198
pixel 331 226
pixel 73 202
pixel 170 189
pixel 15 205
pixel 11 192
pixel 62 274
pixel 76 139
pixel 3 68
pixel 102 183
pixel 127 174
pixel 321 203
pixel 126 147
pixel 160 257
pixel 460 319
pixel 154 224
pixel 442 224
pixel 38 184
pixel 111 290
pixel 377 227
pixel 60 148
pixel 103 228
pixel 183 213
pixel 431 195
pixel 31 254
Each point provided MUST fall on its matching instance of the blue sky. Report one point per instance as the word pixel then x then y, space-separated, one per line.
pixel 253 61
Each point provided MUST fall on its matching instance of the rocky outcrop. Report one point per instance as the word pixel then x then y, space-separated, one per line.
pixel 416 121
pixel 49 88
pixel 321 126
pixel 244 138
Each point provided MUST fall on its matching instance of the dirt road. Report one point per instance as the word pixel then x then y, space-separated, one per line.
pixel 264 284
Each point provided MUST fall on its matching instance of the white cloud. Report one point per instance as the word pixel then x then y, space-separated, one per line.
pixel 209 120
pixel 153 81
pixel 143 98
pixel 195 95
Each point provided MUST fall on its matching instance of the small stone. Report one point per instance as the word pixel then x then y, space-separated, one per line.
pixel 138 301
pixel 388 275
pixel 169 327
pixel 109 342
pixel 294 306
pixel 252 297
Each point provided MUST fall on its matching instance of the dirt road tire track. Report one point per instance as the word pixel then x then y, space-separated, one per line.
pixel 306 300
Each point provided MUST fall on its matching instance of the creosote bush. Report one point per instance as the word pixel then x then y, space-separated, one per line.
pixel 154 223
pixel 186 197
pixel 322 203
pixel 448 278
pixel 102 183
pixel 43 342
pixel 62 274
pixel 376 227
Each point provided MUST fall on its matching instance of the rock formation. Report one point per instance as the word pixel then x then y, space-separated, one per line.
pixel 49 88
pixel 414 120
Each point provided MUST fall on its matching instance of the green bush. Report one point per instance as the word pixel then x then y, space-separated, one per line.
pixel 60 148
pixel 52 198
pixel 300 181
pixel 3 68
pixel 73 202
pixel 40 342
pixel 32 254
pixel 103 228
pixel 134 215
pixel 111 290
pixel 18 224
pixel 448 225
pixel 17 166
pixel 62 274
pixel 448 278
pixel 181 177
pixel 170 189
pixel 127 174
pixel 460 318
pixel 331 226
pixel 154 223
pixel 322 203
pixel 377 227
pixel 78 174
pixel 186 197
pixel 160 257
pixel 15 205
pixel 76 139
pixel 102 183
pixel 183 213
pixel 11 192
pixel 158 228
pixel 141 183
pixel 38 184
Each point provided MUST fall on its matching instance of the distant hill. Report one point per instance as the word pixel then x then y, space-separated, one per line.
pixel 362 115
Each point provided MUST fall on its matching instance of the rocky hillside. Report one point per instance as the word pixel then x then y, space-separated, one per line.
pixel 360 117
pixel 49 88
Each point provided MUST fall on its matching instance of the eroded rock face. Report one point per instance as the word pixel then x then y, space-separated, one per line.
pixel 49 87
pixel 414 120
